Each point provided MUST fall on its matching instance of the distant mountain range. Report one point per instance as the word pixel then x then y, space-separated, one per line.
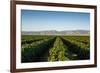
pixel 54 32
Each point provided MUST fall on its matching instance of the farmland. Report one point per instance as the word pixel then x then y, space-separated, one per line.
pixel 38 48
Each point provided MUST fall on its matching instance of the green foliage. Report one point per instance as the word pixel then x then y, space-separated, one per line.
pixel 76 46
pixel 57 52
pixel 36 48
pixel 32 52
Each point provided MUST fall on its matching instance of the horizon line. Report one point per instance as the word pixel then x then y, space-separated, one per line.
pixel 57 30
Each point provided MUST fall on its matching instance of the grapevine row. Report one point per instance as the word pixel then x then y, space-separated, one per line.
pixel 57 52
pixel 76 48
pixel 34 52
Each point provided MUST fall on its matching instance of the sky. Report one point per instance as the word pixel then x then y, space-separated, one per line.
pixel 39 20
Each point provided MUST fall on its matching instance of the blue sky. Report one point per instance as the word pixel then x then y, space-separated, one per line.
pixel 37 20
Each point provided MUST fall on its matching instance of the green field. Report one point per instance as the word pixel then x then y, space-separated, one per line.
pixel 35 48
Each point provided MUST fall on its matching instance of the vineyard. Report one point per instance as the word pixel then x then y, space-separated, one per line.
pixel 54 48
